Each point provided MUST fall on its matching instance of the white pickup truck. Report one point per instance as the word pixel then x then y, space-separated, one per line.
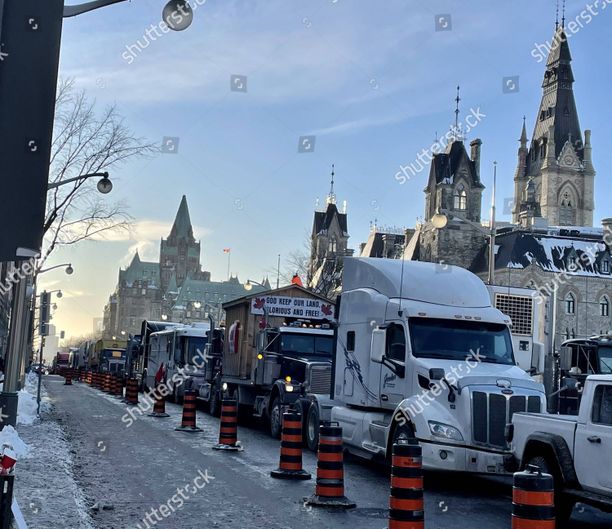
pixel 576 450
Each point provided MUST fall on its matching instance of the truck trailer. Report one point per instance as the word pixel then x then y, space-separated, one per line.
pixel 277 352
pixel 421 354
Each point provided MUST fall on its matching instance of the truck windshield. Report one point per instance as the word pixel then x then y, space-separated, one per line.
pixel 306 344
pixel 605 360
pixel 458 340
pixel 195 350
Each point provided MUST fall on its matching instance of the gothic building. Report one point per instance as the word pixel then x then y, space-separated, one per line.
pixel 328 247
pixel 174 289
pixel 555 175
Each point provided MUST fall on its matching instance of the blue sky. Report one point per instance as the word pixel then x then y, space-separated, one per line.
pixel 372 80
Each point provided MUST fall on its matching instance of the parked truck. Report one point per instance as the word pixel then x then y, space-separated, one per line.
pixel 575 450
pixel 108 356
pixel 422 354
pixel 277 352
pixel 180 351
pixel 579 358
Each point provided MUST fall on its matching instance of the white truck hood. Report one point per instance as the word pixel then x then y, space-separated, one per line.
pixel 482 373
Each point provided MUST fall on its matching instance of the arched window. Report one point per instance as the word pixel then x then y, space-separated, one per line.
pixel 604 306
pixel 567 211
pixel 332 245
pixel 570 304
pixel 460 198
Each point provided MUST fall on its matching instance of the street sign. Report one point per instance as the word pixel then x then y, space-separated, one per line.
pixel 292 307
pixel 44 313
pixel 30 34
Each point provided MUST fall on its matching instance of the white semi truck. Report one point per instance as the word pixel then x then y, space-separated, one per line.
pixel 421 353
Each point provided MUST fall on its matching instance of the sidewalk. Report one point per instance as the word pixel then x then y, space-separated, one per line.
pixel 45 488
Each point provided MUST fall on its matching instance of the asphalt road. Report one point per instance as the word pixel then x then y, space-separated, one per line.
pixel 125 472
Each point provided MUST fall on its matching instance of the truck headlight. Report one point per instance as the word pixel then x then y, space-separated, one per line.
pixel 445 431
pixel 289 388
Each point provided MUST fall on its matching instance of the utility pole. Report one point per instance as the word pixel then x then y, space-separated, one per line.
pixel 278 272
pixel 492 230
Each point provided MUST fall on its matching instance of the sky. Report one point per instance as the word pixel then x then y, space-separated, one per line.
pixel 369 83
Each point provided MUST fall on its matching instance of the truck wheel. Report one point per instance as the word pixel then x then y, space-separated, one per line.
pixel 312 427
pixel 276 418
pixel 563 505
pixel 214 404
pixel 401 432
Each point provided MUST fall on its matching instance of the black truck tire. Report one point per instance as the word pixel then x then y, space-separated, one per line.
pixel 312 427
pixel 563 504
pixel 276 418
pixel 214 404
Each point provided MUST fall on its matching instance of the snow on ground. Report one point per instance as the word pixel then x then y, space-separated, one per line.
pixel 45 487
pixel 9 436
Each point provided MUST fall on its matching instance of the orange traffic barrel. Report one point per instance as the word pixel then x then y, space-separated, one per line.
pixel 159 406
pixel 106 382
pixel 329 490
pixel 131 391
pixel 406 510
pixel 119 387
pixel 533 500
pixel 290 466
pixel 68 377
pixel 188 422
pixel 228 427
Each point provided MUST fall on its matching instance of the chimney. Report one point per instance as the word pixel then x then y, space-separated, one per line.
pixel 588 160
pixel 475 155
pixel 607 229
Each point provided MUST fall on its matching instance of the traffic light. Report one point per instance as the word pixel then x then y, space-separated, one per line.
pixel 30 34
pixel 44 313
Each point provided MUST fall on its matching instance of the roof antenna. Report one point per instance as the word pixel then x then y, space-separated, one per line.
pixel 331 198
pixel 563 19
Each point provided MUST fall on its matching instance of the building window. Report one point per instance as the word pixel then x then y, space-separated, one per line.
pixel 396 343
pixel 604 306
pixel 570 304
pixel 543 149
pixel 460 199
pixel 567 213
pixel 605 266
pixel 332 245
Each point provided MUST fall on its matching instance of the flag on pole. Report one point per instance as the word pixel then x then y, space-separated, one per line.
pixel 227 250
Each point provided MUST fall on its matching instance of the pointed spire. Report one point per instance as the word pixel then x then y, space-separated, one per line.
pixel 182 223
pixel 563 19
pixel 331 198
pixel 523 139
pixel 457 101
pixel 135 259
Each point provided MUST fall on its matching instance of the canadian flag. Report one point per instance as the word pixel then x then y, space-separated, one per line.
pixel 160 376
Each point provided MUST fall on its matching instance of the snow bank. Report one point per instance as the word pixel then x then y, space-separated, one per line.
pixel 9 436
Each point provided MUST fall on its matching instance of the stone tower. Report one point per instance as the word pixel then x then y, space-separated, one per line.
pixel 328 244
pixel 554 178
pixel 180 252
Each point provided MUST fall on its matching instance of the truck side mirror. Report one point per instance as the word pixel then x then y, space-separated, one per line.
pixel 537 358
pixel 566 358
pixel 436 373
pixel 377 347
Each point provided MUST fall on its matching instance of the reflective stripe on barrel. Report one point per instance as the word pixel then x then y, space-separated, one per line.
pixel 330 463
pixel 533 500
pixel 291 442
pixel 160 403
pixel 189 410
pixel 228 430
pixel 131 391
pixel 406 509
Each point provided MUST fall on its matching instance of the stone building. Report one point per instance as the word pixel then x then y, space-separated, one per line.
pixel 328 247
pixel 174 289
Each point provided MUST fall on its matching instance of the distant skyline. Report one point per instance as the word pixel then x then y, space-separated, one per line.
pixel 369 86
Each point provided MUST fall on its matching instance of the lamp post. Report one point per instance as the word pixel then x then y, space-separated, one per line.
pixel 69 270
pixel 104 185
pixel 249 285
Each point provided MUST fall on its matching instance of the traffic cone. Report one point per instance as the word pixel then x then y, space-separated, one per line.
pixel 228 427
pixel 290 466
pixel 406 510
pixel 119 387
pixel 68 377
pixel 159 406
pixel 131 391
pixel 533 500
pixel 188 422
pixel 329 491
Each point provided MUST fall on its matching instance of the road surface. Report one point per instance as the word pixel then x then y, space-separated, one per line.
pixel 126 472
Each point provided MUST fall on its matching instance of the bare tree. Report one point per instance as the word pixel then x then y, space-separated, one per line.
pixel 85 141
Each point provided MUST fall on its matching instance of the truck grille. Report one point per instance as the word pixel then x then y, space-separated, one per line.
pixel 492 411
pixel 320 379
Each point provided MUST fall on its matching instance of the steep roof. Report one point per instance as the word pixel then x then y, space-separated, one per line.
pixel 558 107
pixel 213 292
pixel 445 165
pixel 323 219
pixel 140 271
pixel 182 223
pixel 557 250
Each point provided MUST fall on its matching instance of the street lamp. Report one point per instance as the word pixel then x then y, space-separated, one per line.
pixel 69 270
pixel 164 317
pixel 59 293
pixel 177 14
pixel 104 185
pixel 249 285
pixel 197 304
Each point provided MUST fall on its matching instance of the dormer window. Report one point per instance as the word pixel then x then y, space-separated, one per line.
pixel 460 198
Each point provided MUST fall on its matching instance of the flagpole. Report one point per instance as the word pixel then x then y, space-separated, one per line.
pixel 229 258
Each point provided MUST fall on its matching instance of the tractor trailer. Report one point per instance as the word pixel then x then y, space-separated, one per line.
pixel 421 354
